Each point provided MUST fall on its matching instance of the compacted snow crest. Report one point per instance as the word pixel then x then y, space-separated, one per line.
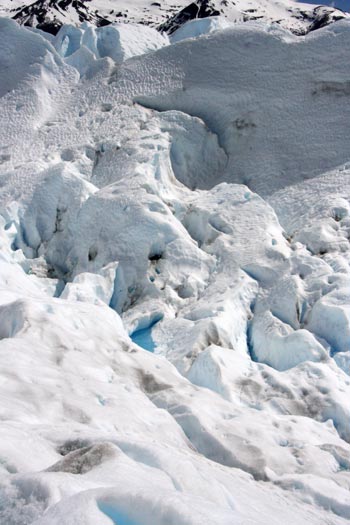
pixel 174 273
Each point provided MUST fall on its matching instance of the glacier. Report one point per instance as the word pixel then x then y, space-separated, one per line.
pixel 175 293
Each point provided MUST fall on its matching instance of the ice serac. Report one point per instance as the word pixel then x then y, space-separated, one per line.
pixel 190 198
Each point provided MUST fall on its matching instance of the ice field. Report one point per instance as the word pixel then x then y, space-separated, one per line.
pixel 174 273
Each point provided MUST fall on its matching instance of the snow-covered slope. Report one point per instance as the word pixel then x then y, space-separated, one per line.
pixel 174 274
pixel 167 16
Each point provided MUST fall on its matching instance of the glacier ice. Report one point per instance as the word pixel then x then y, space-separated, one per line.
pixel 190 198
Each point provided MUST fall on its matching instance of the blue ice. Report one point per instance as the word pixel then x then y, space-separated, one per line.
pixel 118 517
pixel 143 336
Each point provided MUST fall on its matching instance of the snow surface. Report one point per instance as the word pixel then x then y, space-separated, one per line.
pixel 192 199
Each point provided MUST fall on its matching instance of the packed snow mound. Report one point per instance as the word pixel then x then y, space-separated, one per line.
pixel 199 27
pixel 254 126
pixel 24 56
pixel 174 276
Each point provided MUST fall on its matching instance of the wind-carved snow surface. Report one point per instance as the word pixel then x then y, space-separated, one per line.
pixel 192 198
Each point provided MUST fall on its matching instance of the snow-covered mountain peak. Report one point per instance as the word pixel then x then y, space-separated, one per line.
pixel 166 15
